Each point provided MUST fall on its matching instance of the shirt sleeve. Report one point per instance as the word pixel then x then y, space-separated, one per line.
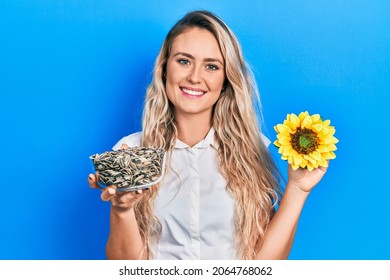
pixel 131 140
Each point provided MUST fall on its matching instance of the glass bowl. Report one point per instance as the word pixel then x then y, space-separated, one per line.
pixel 130 169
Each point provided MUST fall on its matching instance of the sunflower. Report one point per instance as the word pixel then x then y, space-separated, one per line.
pixel 306 141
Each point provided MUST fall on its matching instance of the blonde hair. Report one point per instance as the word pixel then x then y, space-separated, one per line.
pixel 251 175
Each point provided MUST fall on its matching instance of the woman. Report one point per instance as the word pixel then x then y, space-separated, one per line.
pixel 217 199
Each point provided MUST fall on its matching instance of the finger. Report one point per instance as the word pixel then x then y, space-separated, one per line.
pixel 138 192
pixel 323 169
pixel 107 194
pixel 93 181
pixel 124 146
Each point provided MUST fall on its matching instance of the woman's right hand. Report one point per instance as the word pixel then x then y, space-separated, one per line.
pixel 119 200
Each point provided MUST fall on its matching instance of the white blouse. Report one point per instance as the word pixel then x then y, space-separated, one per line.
pixel 193 206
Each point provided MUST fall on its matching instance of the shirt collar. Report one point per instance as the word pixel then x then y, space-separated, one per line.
pixel 209 140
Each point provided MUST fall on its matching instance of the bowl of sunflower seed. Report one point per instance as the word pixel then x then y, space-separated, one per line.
pixel 130 169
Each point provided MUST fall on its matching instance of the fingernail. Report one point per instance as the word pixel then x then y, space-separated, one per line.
pixel 90 177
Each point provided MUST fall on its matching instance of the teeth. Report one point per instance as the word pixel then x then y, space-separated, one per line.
pixel 192 92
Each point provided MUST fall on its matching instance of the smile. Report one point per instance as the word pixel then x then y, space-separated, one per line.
pixel 192 92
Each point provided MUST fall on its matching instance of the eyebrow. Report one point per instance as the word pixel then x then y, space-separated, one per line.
pixel 209 59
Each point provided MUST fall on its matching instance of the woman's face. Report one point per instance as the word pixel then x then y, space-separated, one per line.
pixel 195 73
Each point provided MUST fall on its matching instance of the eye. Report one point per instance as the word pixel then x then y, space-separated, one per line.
pixel 212 67
pixel 183 61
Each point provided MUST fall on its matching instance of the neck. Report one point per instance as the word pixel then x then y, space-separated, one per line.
pixel 192 129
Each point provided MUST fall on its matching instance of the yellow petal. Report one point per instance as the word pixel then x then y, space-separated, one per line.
pixel 329 155
pixel 332 130
pixel 289 151
pixel 315 155
pixel 323 148
pixel 317 127
pixel 294 120
pixel 294 167
pixel 309 159
pixel 325 130
pixel 285 140
pixel 332 147
pixel 323 163
pixel 306 123
pixel 303 163
pixel 329 140
pixel 326 123
pixel 281 135
pixel 315 118
pixel 297 159
pixel 303 115
pixel 281 128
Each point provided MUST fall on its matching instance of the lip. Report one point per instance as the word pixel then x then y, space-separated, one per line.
pixel 191 92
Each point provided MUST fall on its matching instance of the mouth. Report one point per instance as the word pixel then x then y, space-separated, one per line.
pixel 193 93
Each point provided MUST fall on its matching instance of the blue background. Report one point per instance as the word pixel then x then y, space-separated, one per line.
pixel 72 81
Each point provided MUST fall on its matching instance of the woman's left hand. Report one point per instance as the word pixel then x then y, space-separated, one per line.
pixel 304 179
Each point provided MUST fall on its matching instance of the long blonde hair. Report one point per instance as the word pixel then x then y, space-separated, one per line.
pixel 251 175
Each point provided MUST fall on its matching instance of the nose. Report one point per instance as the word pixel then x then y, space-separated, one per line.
pixel 195 75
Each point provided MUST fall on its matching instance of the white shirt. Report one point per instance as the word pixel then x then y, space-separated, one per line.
pixel 193 206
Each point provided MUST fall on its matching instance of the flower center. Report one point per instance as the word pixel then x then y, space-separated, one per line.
pixel 304 141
